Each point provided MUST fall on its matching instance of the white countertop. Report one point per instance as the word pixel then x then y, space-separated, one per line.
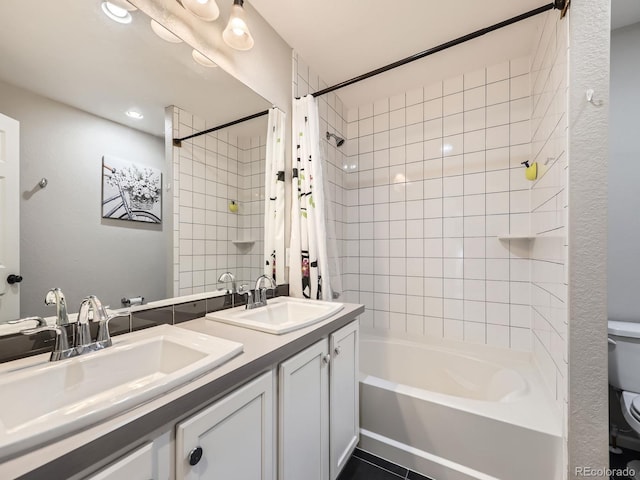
pixel 261 352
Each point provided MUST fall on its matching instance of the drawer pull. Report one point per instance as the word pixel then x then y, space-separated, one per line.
pixel 195 455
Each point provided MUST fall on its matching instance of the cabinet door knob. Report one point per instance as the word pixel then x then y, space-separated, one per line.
pixel 195 455
pixel 337 350
pixel 326 359
pixel 11 279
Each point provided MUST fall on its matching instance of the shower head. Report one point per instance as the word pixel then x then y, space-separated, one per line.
pixel 339 141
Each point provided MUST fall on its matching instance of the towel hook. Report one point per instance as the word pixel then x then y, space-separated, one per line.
pixel 590 99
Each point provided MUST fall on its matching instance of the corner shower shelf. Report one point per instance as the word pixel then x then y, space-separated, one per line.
pixel 517 237
pixel 243 243
pixel 528 237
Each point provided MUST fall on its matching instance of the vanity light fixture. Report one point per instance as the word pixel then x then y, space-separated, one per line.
pixel 164 33
pixel 205 9
pixel 202 60
pixel 116 13
pixel 134 114
pixel 237 34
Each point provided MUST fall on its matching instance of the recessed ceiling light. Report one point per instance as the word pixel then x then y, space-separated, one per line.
pixel 164 33
pixel 134 114
pixel 202 60
pixel 116 13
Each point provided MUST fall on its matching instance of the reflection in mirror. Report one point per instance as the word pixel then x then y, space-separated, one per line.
pixel 68 75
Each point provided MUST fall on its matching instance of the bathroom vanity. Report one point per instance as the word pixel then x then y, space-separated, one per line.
pixel 286 407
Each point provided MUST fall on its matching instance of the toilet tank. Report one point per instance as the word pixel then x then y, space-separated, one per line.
pixel 624 355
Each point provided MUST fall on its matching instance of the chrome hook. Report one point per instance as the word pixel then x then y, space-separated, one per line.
pixel 590 99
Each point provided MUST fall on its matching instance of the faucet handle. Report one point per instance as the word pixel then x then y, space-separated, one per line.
pixel 39 320
pixel 61 349
pixel 244 290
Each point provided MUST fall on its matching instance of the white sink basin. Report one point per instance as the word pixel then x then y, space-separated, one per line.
pixel 41 402
pixel 280 315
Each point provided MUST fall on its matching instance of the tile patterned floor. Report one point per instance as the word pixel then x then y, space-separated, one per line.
pixel 365 466
pixel 619 461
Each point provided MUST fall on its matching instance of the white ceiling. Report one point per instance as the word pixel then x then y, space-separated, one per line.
pixel 341 39
pixel 71 52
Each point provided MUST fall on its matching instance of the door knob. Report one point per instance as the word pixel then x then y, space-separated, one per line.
pixel 11 279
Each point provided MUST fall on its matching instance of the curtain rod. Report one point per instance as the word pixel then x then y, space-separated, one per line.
pixel 557 4
pixel 177 142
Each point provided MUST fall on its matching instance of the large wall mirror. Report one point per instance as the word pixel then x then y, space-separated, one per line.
pixel 69 74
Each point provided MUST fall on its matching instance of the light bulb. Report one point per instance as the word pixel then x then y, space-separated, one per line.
pixel 164 33
pixel 116 13
pixel 237 34
pixel 205 9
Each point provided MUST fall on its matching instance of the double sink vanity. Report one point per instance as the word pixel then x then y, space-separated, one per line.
pixel 262 393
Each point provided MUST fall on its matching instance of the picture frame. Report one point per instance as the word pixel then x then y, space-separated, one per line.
pixel 130 191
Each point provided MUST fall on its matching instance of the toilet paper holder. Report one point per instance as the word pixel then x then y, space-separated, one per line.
pixel 132 301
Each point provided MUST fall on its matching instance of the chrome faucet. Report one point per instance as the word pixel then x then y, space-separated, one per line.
pixel 56 297
pixel 259 296
pixel 230 277
pixel 103 339
pixel 82 342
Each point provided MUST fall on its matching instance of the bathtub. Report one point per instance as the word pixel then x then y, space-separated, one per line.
pixel 457 412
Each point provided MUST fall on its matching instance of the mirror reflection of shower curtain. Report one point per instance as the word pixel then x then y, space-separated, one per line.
pixel 309 263
pixel 274 198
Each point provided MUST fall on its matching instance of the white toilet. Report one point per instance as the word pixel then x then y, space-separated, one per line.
pixel 624 368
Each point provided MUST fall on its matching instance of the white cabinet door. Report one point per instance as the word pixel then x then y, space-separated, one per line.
pixel 234 435
pixel 344 424
pixel 152 461
pixel 304 415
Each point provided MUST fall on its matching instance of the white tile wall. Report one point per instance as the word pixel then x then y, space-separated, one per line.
pixel 433 178
pixel 209 172
pixel 549 205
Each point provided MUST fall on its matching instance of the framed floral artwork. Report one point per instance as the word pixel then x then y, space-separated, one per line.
pixel 130 191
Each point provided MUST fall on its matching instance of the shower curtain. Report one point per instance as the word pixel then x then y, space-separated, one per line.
pixel 274 198
pixel 309 264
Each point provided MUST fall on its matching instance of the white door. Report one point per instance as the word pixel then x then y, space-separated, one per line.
pixel 9 216
pixel 344 423
pixel 232 439
pixel 304 415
